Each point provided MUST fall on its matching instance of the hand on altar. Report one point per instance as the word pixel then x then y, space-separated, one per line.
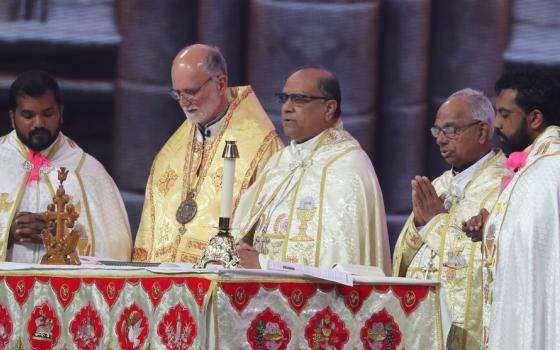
pixel 474 227
pixel 248 256
pixel 425 201
pixel 27 227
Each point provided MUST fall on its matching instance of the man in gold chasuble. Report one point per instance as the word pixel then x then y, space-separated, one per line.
pixel 318 201
pixel 432 244
pixel 181 206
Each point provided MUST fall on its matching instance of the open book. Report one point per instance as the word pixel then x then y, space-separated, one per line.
pixel 359 270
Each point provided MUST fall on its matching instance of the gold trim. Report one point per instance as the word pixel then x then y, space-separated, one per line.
pixel 188 162
pixel 265 146
pixel 275 192
pixel 11 217
pixel 258 213
pixel 49 184
pixel 468 297
pixel 443 238
pixel 55 147
pixel 488 196
pixel 321 199
pixel 210 157
pixel 503 216
pixel 20 194
pixel 452 209
pixel 541 136
pixel 259 190
pixel 86 202
pixel 398 254
pixel 290 218
pixel 152 208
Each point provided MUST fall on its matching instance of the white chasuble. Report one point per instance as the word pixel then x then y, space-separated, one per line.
pixel 522 254
pixel 103 223
pixel 440 250
pixel 317 203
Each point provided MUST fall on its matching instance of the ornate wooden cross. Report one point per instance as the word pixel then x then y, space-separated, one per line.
pixel 61 215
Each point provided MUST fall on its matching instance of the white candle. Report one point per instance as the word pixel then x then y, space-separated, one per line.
pixel 227 187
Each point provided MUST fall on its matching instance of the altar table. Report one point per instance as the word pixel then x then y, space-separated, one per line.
pixel 150 308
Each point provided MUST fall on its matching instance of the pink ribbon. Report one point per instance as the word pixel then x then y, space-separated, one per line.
pixel 515 161
pixel 38 160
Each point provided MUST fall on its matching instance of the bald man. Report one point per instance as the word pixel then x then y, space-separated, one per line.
pixel 318 201
pixel 432 244
pixel 181 207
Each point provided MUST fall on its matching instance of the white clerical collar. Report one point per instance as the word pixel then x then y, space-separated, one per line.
pixel 301 150
pixel 211 129
pixel 309 145
pixel 460 181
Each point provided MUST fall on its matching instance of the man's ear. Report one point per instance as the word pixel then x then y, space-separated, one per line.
pixel 61 114
pixel 331 109
pixel 12 119
pixel 222 82
pixel 536 121
pixel 483 134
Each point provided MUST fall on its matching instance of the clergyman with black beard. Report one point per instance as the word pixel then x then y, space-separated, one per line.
pixel 525 107
pixel 521 234
pixel 522 95
pixel 30 156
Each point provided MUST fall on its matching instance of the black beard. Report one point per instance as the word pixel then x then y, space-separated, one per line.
pixel 38 139
pixel 518 142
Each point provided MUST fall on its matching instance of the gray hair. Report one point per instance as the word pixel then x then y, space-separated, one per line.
pixel 481 107
pixel 215 62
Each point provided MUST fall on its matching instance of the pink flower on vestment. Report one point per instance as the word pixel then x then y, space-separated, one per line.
pixel 38 161
pixel 515 161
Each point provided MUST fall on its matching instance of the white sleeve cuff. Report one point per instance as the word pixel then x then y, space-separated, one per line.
pixel 422 229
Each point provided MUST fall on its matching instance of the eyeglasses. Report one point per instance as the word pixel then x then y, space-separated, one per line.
pixel 451 131
pixel 298 99
pixel 187 93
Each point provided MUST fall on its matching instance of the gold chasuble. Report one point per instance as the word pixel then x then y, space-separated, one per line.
pixel 317 203
pixel 159 237
pixel 440 250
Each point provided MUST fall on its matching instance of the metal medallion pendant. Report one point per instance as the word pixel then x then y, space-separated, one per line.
pixel 186 211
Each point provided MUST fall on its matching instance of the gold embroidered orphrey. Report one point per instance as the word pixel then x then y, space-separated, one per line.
pixel 188 207
pixel 60 215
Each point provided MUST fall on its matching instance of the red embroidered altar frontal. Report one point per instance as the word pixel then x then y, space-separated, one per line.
pixel 115 309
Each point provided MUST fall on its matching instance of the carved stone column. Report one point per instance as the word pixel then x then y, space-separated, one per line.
pixel 341 36
pixel 145 115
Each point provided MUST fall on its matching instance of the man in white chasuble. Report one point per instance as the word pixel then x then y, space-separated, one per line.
pixel 521 272
pixel 30 156
pixel 432 244
pixel 317 201
pixel 182 202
